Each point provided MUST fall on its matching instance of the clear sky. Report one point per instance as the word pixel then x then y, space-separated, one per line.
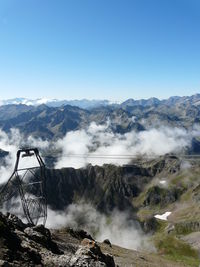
pixel 99 49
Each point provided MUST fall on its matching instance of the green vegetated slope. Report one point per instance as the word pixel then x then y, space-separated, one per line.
pixel 175 189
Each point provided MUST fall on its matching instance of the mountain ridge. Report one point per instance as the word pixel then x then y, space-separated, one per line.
pixel 88 104
pixel 54 122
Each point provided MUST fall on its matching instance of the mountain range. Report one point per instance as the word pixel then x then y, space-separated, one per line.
pixel 51 122
pixel 88 104
pixel 83 103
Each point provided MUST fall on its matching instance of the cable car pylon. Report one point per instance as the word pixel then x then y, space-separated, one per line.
pixel 30 184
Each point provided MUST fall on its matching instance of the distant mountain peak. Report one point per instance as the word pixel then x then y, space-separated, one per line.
pixel 83 103
pixel 94 103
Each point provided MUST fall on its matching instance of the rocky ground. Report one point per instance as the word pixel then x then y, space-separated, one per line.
pixel 122 257
pixel 25 245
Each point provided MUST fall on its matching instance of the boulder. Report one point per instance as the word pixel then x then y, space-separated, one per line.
pixel 90 254
pixel 107 242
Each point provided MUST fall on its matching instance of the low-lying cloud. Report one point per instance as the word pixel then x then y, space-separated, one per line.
pixel 118 227
pixel 99 145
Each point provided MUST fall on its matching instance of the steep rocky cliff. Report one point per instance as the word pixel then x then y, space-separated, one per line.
pixel 106 187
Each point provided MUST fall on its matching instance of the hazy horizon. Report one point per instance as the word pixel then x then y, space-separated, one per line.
pixel 93 99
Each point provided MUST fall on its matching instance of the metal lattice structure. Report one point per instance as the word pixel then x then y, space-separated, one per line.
pixel 29 184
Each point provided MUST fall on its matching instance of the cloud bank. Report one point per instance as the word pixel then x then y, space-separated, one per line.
pixel 118 227
pixel 98 145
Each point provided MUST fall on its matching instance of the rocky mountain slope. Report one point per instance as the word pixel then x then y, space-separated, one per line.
pixel 144 189
pixel 110 186
pixel 26 245
pixel 105 187
pixel 49 122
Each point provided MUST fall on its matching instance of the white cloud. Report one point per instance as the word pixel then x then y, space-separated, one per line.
pixel 98 145
pixel 118 227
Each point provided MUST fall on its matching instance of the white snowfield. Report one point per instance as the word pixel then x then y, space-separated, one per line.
pixel 162 182
pixel 163 216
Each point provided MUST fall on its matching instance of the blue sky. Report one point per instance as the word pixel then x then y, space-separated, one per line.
pixel 99 49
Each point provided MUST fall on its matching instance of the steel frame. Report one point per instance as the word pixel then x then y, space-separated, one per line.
pixel 34 204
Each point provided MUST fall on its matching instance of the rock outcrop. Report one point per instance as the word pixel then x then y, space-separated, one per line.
pixel 162 196
pixel 25 245
pixel 89 254
pixel 107 187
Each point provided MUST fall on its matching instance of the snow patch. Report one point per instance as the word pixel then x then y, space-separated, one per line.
pixel 163 216
pixel 162 182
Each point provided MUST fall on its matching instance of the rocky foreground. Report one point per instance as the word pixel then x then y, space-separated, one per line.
pixel 25 245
